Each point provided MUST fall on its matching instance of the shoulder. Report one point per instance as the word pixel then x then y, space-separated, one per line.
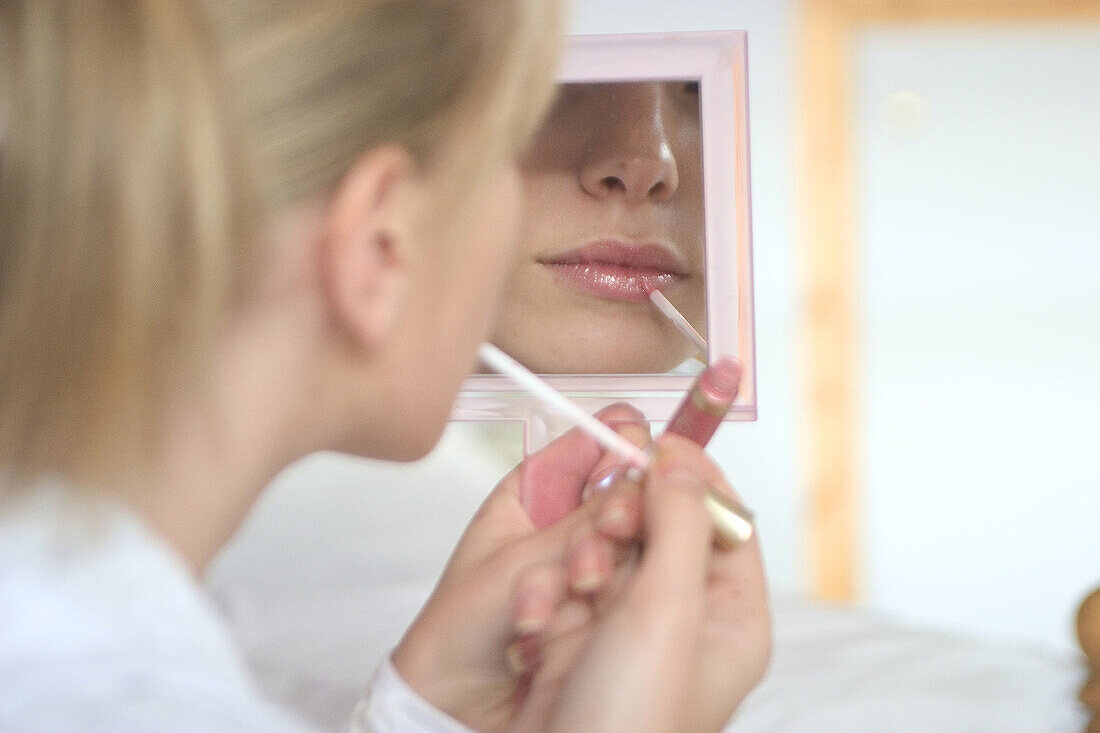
pixel 104 629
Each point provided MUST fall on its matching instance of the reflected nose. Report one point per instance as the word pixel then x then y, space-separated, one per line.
pixel 630 156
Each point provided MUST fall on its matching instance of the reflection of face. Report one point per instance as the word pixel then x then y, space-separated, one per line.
pixel 613 199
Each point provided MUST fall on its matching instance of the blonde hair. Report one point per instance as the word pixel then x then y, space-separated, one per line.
pixel 147 140
pixel 319 82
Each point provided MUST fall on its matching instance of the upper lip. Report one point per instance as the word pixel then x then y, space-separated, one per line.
pixel 636 255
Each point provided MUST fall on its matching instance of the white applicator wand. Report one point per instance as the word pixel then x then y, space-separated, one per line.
pixel 665 306
pixel 501 363
pixel 733 522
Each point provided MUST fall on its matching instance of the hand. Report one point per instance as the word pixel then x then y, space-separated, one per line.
pixel 528 541
pixel 677 643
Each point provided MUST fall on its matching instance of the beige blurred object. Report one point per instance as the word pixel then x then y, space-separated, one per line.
pixel 905 113
pixel 826 204
pixel 1088 633
pixel 733 521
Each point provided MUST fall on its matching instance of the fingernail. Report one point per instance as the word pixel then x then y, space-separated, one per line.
pixel 531 614
pixel 613 516
pixel 530 624
pixel 587 567
pixel 514 655
pixel 603 480
pixel 587 582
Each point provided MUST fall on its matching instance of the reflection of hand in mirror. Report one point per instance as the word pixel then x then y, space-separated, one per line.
pixel 613 206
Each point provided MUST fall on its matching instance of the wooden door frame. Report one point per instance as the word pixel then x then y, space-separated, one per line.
pixel 827 253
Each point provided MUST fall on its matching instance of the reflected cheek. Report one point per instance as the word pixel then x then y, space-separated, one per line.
pixel 511 196
pixel 506 206
pixel 689 223
pixel 499 222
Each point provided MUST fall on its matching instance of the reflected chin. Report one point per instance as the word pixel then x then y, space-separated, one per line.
pixel 615 348
pixel 552 326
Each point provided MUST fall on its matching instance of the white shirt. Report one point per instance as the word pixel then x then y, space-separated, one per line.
pixel 103 628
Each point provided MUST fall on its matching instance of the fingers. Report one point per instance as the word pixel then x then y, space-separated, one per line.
pixel 678 530
pixel 539 590
pixel 595 541
pixel 541 490
pixel 549 595
pixel 590 563
pixel 611 469
pixel 620 515
pixel 551 481
pixel 544 612
pixel 552 598
pixel 551 664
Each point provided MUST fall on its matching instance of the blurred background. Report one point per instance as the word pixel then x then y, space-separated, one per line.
pixel 926 231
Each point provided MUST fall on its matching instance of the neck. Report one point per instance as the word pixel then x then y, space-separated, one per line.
pixel 264 404
pixel 223 446
pixel 197 494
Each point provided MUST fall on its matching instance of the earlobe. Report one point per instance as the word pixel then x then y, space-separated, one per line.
pixel 364 251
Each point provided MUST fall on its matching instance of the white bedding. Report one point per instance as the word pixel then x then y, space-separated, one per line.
pixel 340 554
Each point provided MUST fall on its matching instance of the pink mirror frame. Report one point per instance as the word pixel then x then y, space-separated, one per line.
pixel 718 60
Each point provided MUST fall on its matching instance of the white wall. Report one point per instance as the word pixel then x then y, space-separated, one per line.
pixel 980 183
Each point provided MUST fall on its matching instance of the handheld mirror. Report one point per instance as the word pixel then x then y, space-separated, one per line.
pixel 637 181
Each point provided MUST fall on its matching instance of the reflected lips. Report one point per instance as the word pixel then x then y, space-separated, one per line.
pixel 618 271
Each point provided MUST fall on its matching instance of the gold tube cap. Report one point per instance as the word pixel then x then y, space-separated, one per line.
pixel 733 522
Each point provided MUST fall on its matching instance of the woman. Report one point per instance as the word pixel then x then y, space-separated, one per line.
pixel 613 193
pixel 234 232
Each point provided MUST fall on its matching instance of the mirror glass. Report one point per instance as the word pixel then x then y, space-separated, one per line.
pixel 613 207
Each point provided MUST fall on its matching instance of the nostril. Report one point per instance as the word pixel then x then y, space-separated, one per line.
pixel 613 183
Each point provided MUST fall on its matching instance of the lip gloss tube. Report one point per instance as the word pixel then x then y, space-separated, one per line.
pixel 697 419
pixel 707 402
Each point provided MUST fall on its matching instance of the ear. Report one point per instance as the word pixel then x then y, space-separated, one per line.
pixel 365 250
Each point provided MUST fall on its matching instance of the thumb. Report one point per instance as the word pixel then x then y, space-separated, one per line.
pixel 678 529
pixel 545 487
pixel 550 481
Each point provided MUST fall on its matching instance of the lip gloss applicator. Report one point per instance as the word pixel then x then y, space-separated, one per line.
pixel 697 418
pixel 669 310
pixel 498 361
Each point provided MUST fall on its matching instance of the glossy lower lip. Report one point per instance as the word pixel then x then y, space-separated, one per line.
pixel 617 271
pixel 613 281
